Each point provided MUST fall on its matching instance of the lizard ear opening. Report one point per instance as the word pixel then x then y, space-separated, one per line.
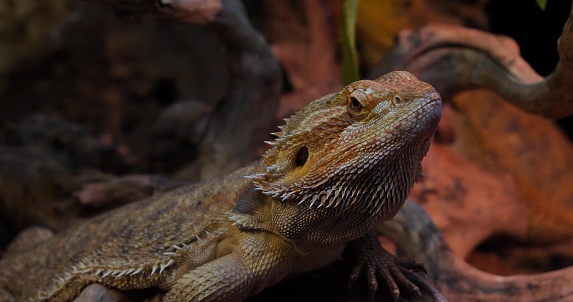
pixel 301 156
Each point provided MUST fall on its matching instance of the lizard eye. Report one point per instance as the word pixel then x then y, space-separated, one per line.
pixel 356 100
pixel 301 156
pixel 355 104
pixel 398 101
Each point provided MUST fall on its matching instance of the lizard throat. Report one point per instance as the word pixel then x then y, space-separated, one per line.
pixel 373 189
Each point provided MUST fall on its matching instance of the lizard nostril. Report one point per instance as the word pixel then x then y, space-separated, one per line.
pixel 398 101
pixel 301 156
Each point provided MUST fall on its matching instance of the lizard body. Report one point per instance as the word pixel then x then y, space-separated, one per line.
pixel 343 163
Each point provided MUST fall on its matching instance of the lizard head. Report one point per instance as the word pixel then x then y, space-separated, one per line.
pixel 362 143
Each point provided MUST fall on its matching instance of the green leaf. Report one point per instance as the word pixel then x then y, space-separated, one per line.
pixel 348 41
pixel 542 4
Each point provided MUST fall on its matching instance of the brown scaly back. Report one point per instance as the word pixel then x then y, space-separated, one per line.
pixel 336 127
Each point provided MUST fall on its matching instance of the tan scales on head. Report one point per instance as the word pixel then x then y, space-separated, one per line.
pixel 337 127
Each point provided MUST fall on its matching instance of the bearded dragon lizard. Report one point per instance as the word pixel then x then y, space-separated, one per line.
pixel 340 165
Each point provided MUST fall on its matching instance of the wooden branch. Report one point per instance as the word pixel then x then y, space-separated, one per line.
pixel 115 192
pixel 192 12
pixel 416 235
pixel 454 59
pixel 246 116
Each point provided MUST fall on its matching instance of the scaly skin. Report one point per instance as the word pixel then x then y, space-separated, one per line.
pixel 343 163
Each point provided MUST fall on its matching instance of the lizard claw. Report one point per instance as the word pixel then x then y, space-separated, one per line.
pixel 400 275
pixel 394 271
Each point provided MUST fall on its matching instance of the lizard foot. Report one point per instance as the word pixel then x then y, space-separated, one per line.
pixel 402 276
pixel 395 271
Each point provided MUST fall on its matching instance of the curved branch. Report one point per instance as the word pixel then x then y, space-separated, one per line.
pixel 454 59
pixel 245 117
pixel 185 11
pixel 414 233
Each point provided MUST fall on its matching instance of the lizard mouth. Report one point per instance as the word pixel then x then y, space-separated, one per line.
pixel 432 96
pixel 433 102
pixel 431 105
pixel 424 119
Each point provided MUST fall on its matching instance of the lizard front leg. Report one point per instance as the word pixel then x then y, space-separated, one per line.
pixel 259 261
pixel 398 273
pixel 224 279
